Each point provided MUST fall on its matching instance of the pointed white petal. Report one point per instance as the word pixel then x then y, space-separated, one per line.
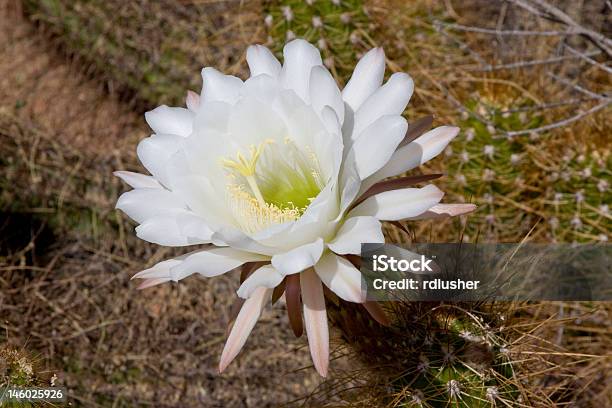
pixel 298 258
pixel 162 270
pixel 417 152
pixel 366 79
pixel 154 152
pixel 341 277
pixel 445 211
pixel 262 61
pixel 162 230
pixel 245 321
pixel 315 320
pixel 377 143
pixel 144 203
pixel 354 232
pixel 266 277
pixel 389 99
pixel 170 121
pixel 324 92
pixel 137 180
pixel 218 87
pixel 300 58
pixel 399 204
pixel 177 228
pixel 215 261
pixel 159 270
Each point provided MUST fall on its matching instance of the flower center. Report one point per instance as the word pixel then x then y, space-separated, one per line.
pixel 272 186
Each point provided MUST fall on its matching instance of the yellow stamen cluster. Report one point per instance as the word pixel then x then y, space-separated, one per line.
pixel 254 216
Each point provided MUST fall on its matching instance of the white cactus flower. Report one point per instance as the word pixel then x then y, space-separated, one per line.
pixel 284 176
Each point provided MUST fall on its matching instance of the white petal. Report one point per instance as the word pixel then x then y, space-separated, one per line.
pixel 354 232
pixel 162 230
pixel 137 180
pixel 178 228
pixel 239 240
pixel 262 87
pixel 390 99
pixel 377 143
pixel 315 320
pixel 298 258
pixel 170 121
pixel 245 321
pixel 251 122
pixel 219 87
pixel 266 277
pixel 213 118
pixel 154 153
pixel 366 79
pixel 399 204
pixel 446 211
pixel 161 270
pixel 144 203
pixel 262 61
pixel 300 58
pixel 214 262
pixel 341 277
pixel 417 152
pixel 325 92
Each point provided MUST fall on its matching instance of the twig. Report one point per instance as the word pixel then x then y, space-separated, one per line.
pixel 523 64
pixel 545 106
pixel 577 87
pixel 589 60
pixel 460 27
pixel 463 46
pixel 558 15
pixel 561 123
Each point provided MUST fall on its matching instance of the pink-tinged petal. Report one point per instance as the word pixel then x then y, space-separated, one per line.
pixel 446 211
pixel 341 277
pixel 170 121
pixel 262 61
pixel 192 101
pixel 366 79
pixel 147 283
pixel 298 259
pixel 245 321
pixel 315 320
pixel 397 205
pixel 137 180
pixel 264 277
